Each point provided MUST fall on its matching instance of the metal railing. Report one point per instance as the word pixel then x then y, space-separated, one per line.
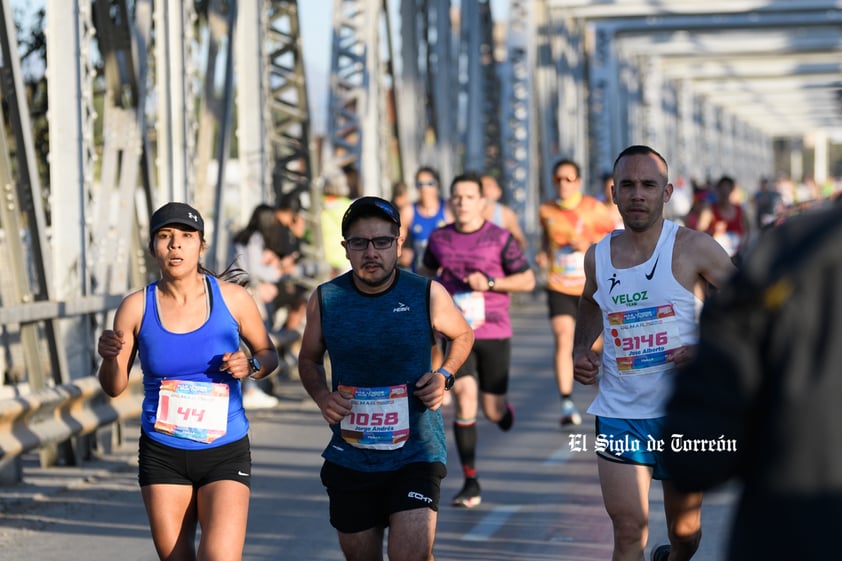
pixel 52 416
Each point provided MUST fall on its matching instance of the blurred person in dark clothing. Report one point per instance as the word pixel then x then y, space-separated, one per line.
pixel 730 224
pixel 768 204
pixel 264 271
pixel 760 402
pixel 290 237
pixel 287 244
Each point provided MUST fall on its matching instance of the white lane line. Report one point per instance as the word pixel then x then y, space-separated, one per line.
pixel 559 456
pixel 492 522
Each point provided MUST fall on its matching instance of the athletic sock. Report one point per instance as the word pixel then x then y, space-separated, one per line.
pixel 465 436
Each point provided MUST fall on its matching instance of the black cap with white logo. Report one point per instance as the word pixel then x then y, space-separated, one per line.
pixel 180 214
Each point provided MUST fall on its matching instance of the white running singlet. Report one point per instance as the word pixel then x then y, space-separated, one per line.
pixel 646 315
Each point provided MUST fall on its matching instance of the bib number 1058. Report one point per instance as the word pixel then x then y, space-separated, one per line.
pixel 373 419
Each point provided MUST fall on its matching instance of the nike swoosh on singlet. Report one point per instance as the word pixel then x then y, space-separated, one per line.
pixel 652 272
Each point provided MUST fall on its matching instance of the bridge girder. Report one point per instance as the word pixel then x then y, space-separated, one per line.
pixel 649 61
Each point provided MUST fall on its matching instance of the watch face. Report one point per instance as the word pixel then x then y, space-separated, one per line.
pixel 448 382
pixel 255 364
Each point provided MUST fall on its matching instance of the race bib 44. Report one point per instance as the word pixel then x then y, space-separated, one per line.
pixel 192 410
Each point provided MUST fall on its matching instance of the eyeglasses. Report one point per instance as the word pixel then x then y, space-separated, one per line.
pixel 361 244
pixel 561 178
pixel 420 184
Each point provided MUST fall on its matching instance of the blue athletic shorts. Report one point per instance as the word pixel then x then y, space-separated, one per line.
pixel 632 441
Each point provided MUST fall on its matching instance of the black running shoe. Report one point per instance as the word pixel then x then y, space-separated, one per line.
pixel 508 419
pixel 468 497
pixel 661 553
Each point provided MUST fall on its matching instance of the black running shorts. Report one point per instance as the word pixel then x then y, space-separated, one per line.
pixel 489 360
pixel 159 463
pixel 562 304
pixel 360 500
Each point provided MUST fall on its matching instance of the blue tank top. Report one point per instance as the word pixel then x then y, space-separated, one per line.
pixel 421 228
pixel 382 340
pixel 193 356
pixel 497 217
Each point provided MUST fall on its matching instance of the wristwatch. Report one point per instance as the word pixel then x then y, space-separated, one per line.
pixel 254 365
pixel 491 283
pixel 448 378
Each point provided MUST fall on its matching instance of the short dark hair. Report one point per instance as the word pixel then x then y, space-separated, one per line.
pixel 641 150
pixel 290 201
pixel 726 179
pixel 567 162
pixel 470 176
pixel 431 171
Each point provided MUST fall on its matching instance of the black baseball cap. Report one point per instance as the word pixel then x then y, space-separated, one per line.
pixel 370 207
pixel 176 213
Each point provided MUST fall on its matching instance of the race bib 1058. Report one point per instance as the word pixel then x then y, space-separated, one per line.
pixel 379 418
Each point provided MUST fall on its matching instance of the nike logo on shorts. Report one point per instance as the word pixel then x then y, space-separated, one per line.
pixel 241 474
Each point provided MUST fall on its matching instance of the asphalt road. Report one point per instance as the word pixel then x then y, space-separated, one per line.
pixel 541 499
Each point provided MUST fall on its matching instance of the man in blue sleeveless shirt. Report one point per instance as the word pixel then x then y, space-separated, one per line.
pixel 386 456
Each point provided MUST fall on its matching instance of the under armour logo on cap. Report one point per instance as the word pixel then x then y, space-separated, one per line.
pixel 176 213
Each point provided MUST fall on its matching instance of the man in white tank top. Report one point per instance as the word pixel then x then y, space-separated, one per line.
pixel 643 291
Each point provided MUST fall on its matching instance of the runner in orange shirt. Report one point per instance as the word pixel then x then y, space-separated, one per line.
pixel 570 224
